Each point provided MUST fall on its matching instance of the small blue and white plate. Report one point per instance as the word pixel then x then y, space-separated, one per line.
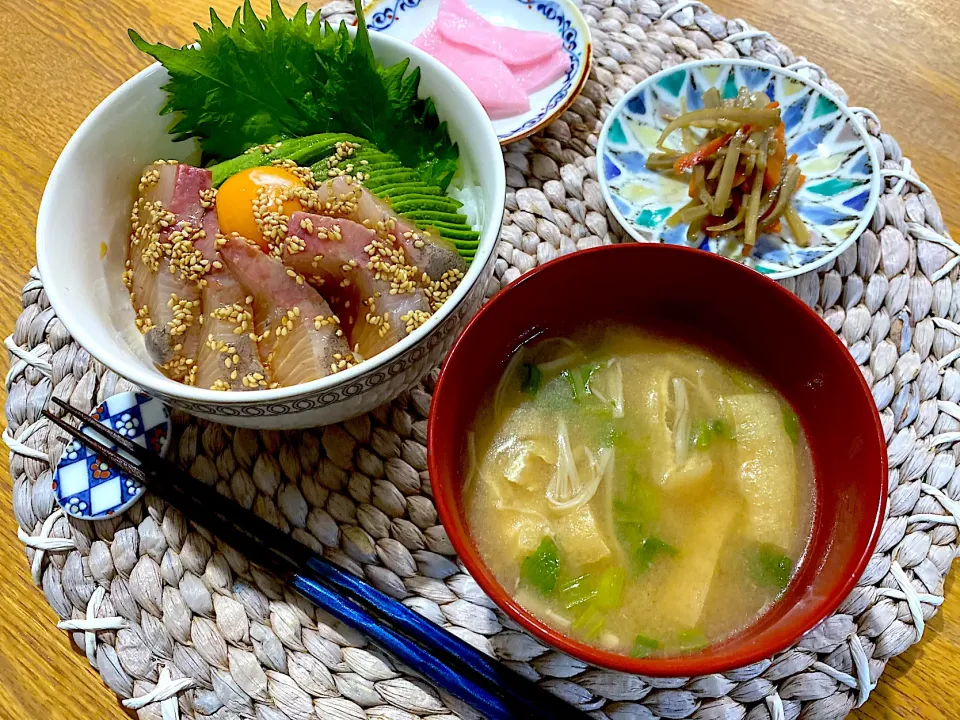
pixel 89 488
pixel 836 201
pixel 406 19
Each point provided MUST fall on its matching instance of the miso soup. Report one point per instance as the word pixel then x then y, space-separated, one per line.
pixel 637 493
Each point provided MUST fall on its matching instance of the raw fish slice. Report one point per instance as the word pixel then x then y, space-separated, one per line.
pixel 345 197
pixel 765 467
pixel 354 263
pixel 537 75
pixel 228 358
pixel 164 269
pixel 487 76
pixel 299 335
pixel 460 24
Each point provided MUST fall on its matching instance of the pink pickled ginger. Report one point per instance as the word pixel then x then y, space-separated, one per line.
pixel 460 24
pixel 487 76
pixel 537 75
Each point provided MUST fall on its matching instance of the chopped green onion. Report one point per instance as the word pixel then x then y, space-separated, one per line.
pixel 610 592
pixel 641 506
pixel 530 378
pixel 770 566
pixel 721 429
pixel 649 552
pixel 590 623
pixel 693 639
pixel 700 435
pixel 631 535
pixel 643 646
pixel 574 382
pixel 540 569
pixel 579 379
pixel 705 431
pixel 577 591
pixel 791 423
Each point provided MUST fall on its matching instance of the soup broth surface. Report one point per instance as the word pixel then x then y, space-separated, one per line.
pixel 638 493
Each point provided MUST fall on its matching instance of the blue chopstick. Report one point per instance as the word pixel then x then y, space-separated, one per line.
pixel 408 653
pixel 441 657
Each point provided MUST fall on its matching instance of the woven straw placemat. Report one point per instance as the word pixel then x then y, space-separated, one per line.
pixel 174 620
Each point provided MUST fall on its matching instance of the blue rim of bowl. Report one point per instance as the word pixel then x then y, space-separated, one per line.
pixel 556 105
pixel 876 179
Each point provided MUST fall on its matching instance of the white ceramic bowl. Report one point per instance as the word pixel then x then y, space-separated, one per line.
pixel 85 213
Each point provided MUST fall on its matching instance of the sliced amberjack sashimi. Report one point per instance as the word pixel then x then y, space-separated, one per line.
pixel 537 75
pixel 460 24
pixel 765 467
pixel 685 590
pixel 164 270
pixel 486 75
pixel 228 358
pixel 352 261
pixel 300 337
pixel 345 197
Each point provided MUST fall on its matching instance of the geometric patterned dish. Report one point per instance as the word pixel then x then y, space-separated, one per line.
pixel 406 19
pixel 836 201
pixel 89 488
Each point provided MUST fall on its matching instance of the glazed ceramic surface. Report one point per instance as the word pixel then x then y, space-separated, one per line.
pixel 406 19
pixel 785 342
pixel 82 234
pixel 86 485
pixel 842 174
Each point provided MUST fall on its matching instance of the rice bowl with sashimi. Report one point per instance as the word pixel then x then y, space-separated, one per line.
pixel 305 251
pixel 276 278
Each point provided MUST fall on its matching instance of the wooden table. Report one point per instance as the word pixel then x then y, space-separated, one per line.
pixel 58 60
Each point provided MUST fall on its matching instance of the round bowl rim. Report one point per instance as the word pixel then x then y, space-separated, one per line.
pixel 675 666
pixel 573 10
pixel 876 177
pixel 153 382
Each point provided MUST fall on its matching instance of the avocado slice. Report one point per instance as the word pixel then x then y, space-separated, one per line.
pixel 380 167
pixel 444 227
pixel 400 189
pixel 462 237
pixel 410 202
pixel 392 177
pixel 429 217
pixel 303 151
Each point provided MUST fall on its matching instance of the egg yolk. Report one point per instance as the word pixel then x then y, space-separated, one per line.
pixel 261 187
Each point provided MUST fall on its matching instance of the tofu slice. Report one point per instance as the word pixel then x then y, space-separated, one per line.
pixel 765 467
pixel 579 537
pixel 687 587
pixel 665 470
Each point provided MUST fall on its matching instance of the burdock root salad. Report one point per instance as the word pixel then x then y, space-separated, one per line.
pixel 325 222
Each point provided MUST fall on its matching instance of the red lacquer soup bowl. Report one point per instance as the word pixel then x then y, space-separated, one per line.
pixel 738 313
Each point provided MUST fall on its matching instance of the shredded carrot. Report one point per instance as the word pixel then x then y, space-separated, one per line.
pixel 775 161
pixel 685 162
pixel 771 105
